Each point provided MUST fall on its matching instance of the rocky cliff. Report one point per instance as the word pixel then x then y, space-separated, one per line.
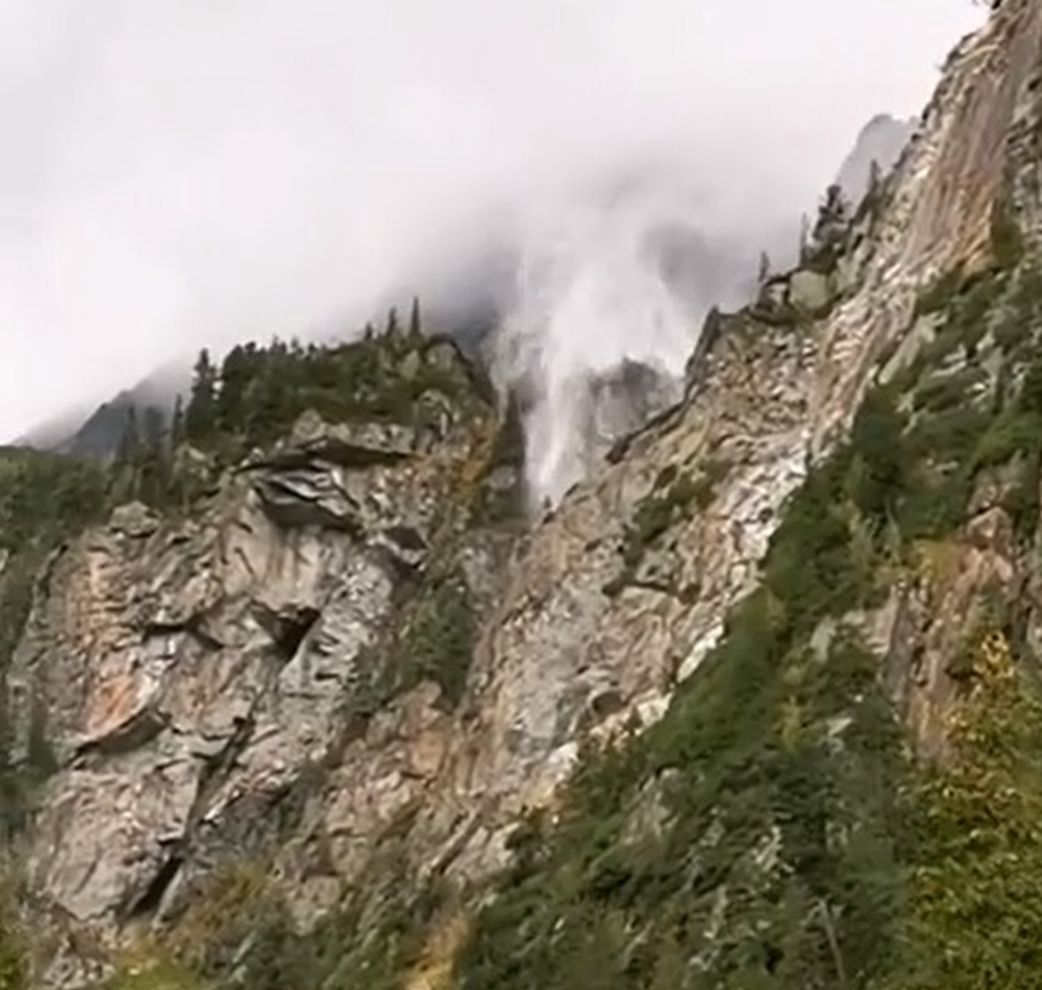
pixel 751 707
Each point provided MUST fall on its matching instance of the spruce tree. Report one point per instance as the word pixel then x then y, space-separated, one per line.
pixel 177 424
pixel 235 376
pixel 414 318
pixel 127 453
pixel 153 464
pixel 394 330
pixel 832 216
pixel 199 419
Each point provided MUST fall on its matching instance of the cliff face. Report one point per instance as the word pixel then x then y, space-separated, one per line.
pixel 342 679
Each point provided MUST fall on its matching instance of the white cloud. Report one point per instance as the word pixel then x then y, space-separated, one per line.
pixel 185 172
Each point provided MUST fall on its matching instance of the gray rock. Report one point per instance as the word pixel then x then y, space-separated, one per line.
pixel 809 291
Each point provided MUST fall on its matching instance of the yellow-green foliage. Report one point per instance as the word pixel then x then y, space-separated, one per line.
pixel 14 967
pixel 223 914
pixel 14 949
pixel 975 901
pixel 233 907
pixel 156 975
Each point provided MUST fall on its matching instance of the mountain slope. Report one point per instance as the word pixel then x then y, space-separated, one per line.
pixel 98 433
pixel 752 707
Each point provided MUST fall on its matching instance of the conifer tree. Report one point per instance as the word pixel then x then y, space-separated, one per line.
pixel 874 192
pixel 804 251
pixel 152 459
pixel 829 233
pixel 414 318
pixel 177 423
pixel 832 216
pixel 199 419
pixel 875 178
pixel 126 455
pixel 235 376
pixel 392 322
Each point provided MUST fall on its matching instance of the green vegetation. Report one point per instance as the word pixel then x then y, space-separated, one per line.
pixel 1022 316
pixel 347 950
pixel 152 975
pixel 655 514
pixel 14 955
pixel 259 392
pixel 666 505
pixel 14 966
pixel 769 832
pixel 938 296
pixel 942 392
pixel 44 498
pixel 876 197
pixel 713 472
pixel 1007 242
pixel 975 867
pixel 440 642
pixel 822 251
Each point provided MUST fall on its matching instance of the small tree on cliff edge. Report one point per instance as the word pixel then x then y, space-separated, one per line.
pixel 415 329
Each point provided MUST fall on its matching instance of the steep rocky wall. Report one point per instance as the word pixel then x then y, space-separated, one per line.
pixel 765 402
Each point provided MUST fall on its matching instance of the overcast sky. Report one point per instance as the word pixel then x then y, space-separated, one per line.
pixel 177 172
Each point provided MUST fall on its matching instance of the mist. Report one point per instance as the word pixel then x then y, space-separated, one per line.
pixel 195 172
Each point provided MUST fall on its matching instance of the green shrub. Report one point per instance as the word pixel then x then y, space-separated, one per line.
pixel 440 642
pixel 939 295
pixel 156 975
pixel 1007 242
pixel 975 919
pixel 942 392
pixel 1007 436
pixel 14 962
pixel 657 513
pixel 1022 317
pixel 809 566
pixel 713 472
pixel 667 504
